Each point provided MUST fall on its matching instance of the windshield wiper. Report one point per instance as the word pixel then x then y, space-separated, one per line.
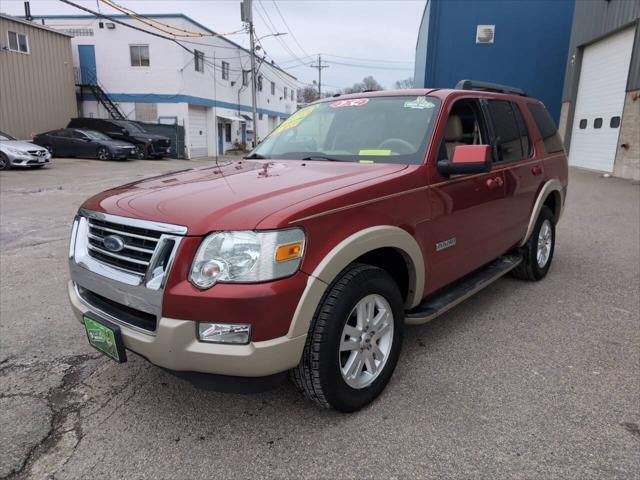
pixel 321 157
pixel 255 156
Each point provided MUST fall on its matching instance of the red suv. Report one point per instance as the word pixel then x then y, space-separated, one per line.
pixel 356 215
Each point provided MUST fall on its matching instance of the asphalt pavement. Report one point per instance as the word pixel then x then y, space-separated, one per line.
pixel 524 380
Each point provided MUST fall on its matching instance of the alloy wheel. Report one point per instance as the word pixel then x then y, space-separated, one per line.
pixel 545 238
pixel 366 341
pixel 104 154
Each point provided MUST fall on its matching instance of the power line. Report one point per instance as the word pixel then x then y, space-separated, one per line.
pixel 290 30
pixel 272 28
pixel 367 59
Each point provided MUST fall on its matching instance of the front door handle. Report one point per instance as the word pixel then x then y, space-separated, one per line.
pixel 495 182
pixel 536 170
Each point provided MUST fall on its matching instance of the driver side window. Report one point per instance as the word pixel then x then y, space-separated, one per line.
pixel 465 126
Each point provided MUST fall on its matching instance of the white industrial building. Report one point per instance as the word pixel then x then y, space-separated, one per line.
pixel 152 79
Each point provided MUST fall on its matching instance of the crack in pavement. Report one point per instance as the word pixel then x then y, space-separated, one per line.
pixel 60 402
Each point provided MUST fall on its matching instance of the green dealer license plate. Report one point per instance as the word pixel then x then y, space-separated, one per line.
pixel 106 337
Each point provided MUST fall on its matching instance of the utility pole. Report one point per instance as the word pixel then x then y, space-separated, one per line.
pixel 319 66
pixel 246 14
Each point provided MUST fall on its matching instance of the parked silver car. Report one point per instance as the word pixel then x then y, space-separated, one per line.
pixel 18 153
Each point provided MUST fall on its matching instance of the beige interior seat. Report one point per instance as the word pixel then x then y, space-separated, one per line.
pixel 453 133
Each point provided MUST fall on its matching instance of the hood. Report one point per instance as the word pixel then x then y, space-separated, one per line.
pixel 20 145
pixel 115 143
pixel 236 196
pixel 146 136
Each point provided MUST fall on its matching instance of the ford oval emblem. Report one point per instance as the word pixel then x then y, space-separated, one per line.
pixel 113 243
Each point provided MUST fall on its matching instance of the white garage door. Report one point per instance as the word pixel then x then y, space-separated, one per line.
pixel 601 93
pixel 198 132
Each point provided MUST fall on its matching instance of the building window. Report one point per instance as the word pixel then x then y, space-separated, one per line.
pixel 198 60
pixel 615 122
pixel 245 78
pixel 583 124
pixel 18 42
pixel 139 55
pixel 259 116
pixel 273 88
pixel 260 83
pixel 225 70
pixel 286 93
pixel 292 94
pixel 227 132
pixel 597 123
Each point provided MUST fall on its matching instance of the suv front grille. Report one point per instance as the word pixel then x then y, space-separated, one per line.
pixel 139 245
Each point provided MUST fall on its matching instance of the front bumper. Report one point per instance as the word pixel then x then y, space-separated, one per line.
pixel 175 347
pixel 28 160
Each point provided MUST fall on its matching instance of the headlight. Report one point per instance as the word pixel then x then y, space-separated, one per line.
pixel 15 151
pixel 246 256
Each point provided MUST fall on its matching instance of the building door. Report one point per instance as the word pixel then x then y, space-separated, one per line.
pixel 600 101
pixel 87 58
pixel 220 138
pixel 243 127
pixel 198 132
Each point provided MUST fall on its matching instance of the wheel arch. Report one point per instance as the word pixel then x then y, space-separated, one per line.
pixel 367 246
pixel 550 195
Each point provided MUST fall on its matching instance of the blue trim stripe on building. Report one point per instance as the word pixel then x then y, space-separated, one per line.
pixel 180 98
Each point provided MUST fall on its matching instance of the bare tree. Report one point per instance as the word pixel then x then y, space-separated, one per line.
pixel 307 94
pixel 368 83
pixel 404 84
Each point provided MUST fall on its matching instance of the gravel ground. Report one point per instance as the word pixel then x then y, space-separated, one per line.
pixel 524 380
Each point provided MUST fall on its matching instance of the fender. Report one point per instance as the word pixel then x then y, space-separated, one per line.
pixel 549 188
pixel 345 253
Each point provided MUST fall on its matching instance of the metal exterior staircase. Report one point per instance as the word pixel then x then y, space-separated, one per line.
pixel 87 80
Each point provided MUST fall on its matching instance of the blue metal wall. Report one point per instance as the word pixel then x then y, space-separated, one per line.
pixel 529 51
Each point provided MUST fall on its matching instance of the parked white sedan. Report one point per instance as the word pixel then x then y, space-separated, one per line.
pixel 19 153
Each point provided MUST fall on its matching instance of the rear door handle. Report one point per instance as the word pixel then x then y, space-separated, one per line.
pixel 536 170
pixel 494 182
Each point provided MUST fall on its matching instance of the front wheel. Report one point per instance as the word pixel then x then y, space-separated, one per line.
pixel 104 153
pixel 354 341
pixel 5 164
pixel 141 152
pixel 538 251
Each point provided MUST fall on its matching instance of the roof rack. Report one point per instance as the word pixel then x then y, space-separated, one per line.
pixel 489 87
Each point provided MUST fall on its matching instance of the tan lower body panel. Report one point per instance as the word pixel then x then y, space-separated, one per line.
pixel 175 346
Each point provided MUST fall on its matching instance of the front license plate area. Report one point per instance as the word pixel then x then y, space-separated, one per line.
pixel 105 336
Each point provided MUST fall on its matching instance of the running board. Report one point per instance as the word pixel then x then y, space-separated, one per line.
pixel 448 298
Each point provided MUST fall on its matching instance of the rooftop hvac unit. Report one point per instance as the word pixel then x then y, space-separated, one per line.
pixel 485 33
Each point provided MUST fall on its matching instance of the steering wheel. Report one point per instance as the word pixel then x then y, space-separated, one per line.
pixel 403 144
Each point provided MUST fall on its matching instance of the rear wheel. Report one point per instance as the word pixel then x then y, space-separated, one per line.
pixel 4 162
pixel 538 251
pixel 354 340
pixel 104 153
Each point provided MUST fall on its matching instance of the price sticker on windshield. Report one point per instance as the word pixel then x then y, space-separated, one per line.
pixel 356 102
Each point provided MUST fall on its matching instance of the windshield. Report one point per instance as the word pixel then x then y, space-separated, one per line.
pixel 132 127
pixel 95 135
pixel 366 130
pixel 5 138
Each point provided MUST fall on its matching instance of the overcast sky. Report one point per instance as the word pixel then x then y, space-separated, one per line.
pixel 380 35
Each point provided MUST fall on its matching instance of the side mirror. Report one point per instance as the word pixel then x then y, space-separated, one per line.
pixel 467 159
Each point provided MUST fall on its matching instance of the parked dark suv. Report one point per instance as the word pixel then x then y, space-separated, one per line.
pixel 148 145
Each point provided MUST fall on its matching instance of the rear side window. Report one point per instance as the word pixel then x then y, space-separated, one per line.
pixel 510 131
pixel 547 127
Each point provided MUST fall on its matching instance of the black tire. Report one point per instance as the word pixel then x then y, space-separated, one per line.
pixel 530 269
pixel 104 153
pixel 49 149
pixel 5 164
pixel 318 375
pixel 141 152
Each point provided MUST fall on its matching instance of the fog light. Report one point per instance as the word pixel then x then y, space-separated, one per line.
pixel 237 333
